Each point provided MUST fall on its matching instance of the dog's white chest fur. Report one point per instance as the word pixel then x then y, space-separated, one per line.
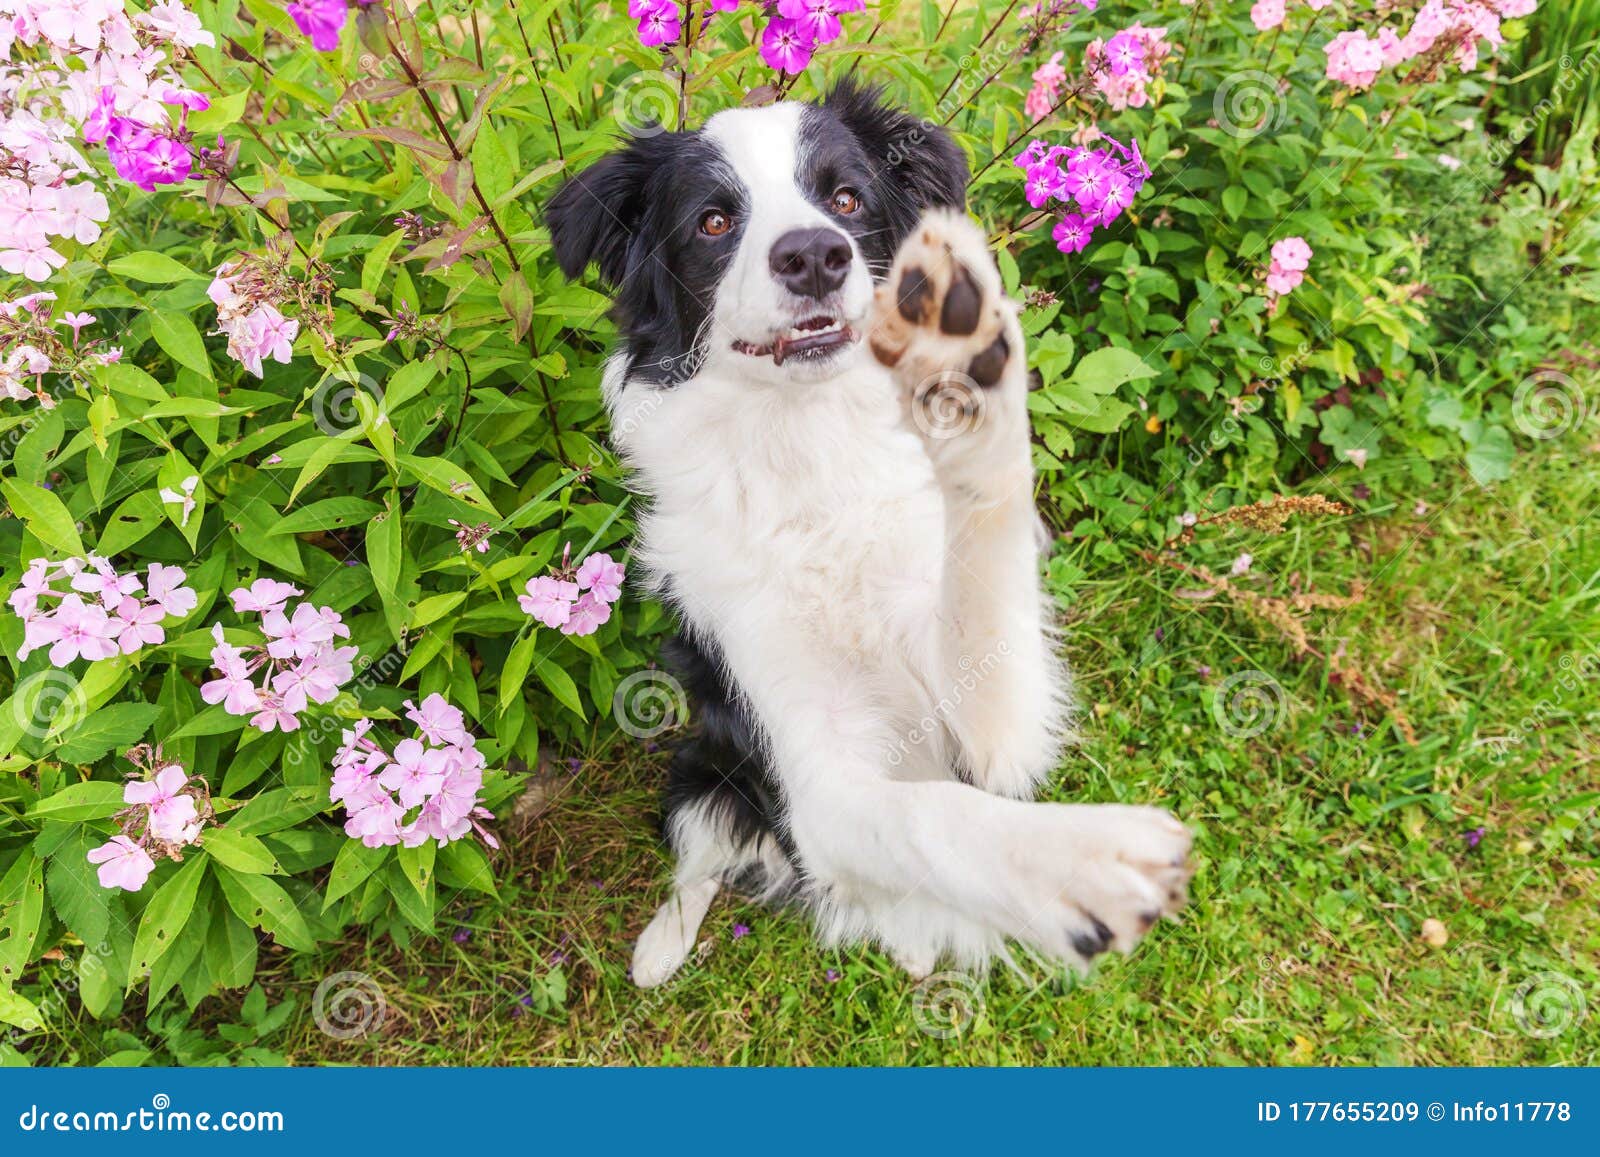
pixel 817 492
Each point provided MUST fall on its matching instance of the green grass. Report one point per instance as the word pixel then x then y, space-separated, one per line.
pixel 1323 844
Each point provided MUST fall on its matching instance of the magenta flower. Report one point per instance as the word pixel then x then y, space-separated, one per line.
pixel 660 25
pixel 1124 53
pixel 123 864
pixel 786 46
pixel 1072 233
pixel 321 20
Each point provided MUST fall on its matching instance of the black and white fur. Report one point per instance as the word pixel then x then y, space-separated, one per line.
pixel 864 634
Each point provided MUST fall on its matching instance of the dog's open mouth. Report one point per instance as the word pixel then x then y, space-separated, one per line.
pixel 811 338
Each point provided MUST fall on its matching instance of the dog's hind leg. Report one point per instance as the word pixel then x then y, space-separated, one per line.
pixel 718 820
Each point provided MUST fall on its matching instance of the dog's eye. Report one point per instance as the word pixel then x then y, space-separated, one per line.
pixel 845 201
pixel 715 223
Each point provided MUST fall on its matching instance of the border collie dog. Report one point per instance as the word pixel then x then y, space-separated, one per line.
pixel 822 392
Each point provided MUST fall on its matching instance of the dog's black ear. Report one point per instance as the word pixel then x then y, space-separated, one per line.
pixel 925 162
pixel 595 215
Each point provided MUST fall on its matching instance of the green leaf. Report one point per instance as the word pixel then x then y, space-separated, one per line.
pixel 241 852
pixel 231 949
pixel 1104 370
pixel 45 514
pixel 417 864
pixel 514 674
pixel 20 916
pixel 282 807
pixel 18 1010
pixel 351 867
pixel 90 800
pixel 151 268
pixel 561 686
pixel 164 917
pixel 448 478
pixel 75 891
pixel 118 726
pixel 176 334
pixel 329 514
pixel 517 300
pixel 262 903
pixel 463 864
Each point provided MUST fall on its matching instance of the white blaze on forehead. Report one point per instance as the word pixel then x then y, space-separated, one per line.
pixel 762 145
pixel 764 148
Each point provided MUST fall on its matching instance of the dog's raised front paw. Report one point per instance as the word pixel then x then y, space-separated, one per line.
pixel 1093 877
pixel 945 329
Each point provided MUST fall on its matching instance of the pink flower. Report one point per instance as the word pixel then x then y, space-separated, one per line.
pixel 416 774
pixel 1293 254
pixel 171 812
pixel 549 600
pixel 602 577
pixel 377 823
pixel 439 722
pixel 321 20
pixel 1047 81
pixel 297 637
pixel 786 46
pixel 263 596
pixel 123 864
pixel 1267 14
pixel 137 624
pixel 164 588
pixel 589 614
pixel 82 630
pixel 1072 233
pixel 273 713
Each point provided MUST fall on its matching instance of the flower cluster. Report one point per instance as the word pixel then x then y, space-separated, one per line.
pixel 84 71
pixel 298 660
pixel 1096 184
pixel 101 613
pixel 1124 67
pixel 794 31
pixel 1291 257
pixel 578 602
pixel 426 789
pixel 247 312
pixel 1442 32
pixel 1046 91
pixel 167 812
pixel 33 342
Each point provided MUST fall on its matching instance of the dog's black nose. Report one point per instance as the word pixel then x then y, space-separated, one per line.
pixel 812 262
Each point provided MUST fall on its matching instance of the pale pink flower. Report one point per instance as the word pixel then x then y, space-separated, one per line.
pixel 122 864
pixel 549 600
pixel 263 596
pixel 171 811
pixel 602 577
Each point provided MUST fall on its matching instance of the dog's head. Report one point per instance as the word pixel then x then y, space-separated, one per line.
pixel 754 243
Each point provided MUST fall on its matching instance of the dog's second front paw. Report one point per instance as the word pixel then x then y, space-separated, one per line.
pixel 1097 877
pixel 945 329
